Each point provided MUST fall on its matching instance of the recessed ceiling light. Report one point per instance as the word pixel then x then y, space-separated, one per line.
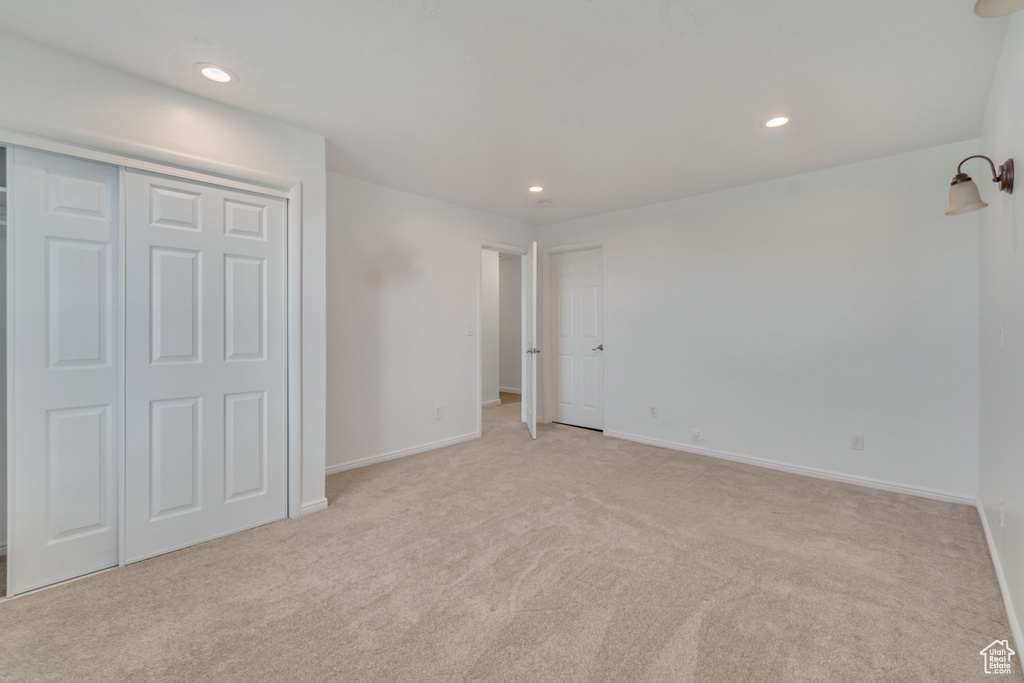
pixel 216 73
pixel 776 121
pixel 536 188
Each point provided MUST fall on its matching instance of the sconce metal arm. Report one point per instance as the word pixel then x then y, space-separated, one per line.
pixel 1004 176
pixel 995 176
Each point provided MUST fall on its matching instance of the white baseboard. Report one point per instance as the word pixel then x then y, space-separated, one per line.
pixel 935 494
pixel 1011 614
pixel 491 404
pixel 510 390
pixel 3 550
pixel 334 469
pixel 314 506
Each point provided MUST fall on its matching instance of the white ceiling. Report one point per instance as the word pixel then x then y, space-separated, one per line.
pixel 608 104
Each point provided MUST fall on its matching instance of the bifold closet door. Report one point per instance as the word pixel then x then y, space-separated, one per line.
pixel 205 365
pixel 65 219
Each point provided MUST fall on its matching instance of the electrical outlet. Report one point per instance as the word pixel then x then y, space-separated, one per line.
pixel 438 412
pixel 654 411
pixel 857 442
pixel 1002 513
pixel 696 434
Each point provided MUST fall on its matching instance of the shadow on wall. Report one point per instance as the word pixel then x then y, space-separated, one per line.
pixel 390 261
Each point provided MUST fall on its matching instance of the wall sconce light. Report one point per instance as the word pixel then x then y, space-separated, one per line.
pixel 963 193
pixel 997 8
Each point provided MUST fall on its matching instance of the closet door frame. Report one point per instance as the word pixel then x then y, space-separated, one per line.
pixel 234 178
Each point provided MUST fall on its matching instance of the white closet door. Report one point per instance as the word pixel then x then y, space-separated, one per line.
pixel 205 326
pixel 64 217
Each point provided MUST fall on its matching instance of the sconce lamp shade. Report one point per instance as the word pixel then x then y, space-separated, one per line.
pixel 964 197
pixel 997 8
pixel 963 193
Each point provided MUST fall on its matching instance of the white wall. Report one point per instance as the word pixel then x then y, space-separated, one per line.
pixel 1002 306
pixel 510 325
pixel 783 317
pixel 53 95
pixel 489 319
pixel 402 290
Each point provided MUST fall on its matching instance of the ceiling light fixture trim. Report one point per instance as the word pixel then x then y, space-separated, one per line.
pixel 217 74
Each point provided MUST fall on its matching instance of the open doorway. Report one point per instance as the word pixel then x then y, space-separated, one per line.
pixel 501 328
pixel 503 292
pixel 510 328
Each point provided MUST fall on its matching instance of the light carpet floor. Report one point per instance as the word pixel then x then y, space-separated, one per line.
pixel 575 557
pixel 509 397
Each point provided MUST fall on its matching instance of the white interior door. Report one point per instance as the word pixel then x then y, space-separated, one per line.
pixel 204 363
pixel 529 340
pixel 65 220
pixel 579 314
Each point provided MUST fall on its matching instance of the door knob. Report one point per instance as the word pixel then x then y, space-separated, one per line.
pixel 599 347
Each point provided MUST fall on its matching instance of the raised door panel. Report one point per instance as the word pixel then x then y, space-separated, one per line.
pixel 175 456
pixel 175 208
pixel 64 221
pixel 245 328
pixel 566 380
pixel 245 447
pixel 588 265
pixel 589 379
pixel 78 447
pixel 175 305
pixel 78 293
pixel 588 313
pixel 73 195
pixel 245 219
pixel 566 310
